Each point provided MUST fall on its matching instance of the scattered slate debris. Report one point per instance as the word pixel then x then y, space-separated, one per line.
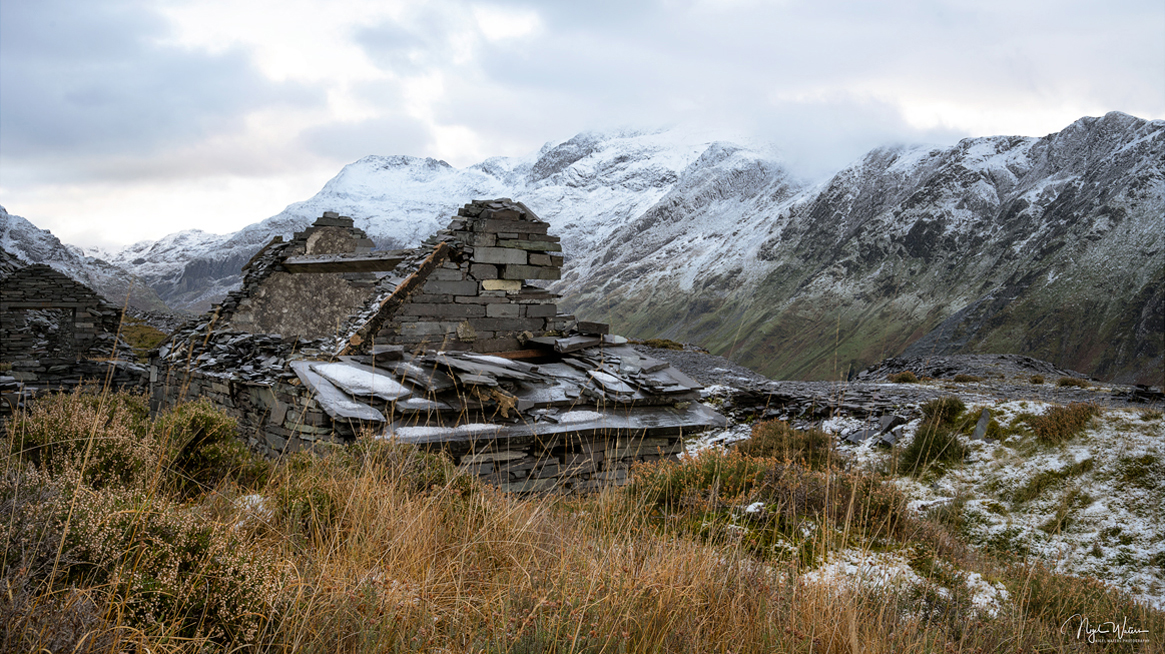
pixel 985 366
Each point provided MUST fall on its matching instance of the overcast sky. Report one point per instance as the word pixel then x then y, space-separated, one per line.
pixel 122 120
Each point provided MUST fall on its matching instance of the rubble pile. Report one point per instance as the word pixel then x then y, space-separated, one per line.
pixel 570 420
pixel 996 366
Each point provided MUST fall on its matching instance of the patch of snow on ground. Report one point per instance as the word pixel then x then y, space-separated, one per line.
pixel 718 438
pixel 856 569
pixel 1105 490
pixel 716 390
pixel 843 424
pixel 252 507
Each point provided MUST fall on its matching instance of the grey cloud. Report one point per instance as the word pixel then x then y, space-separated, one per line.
pixel 88 78
pixel 346 142
pixel 393 47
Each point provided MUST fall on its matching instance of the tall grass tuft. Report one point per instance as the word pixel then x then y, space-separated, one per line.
pixel 943 410
pixel 1063 423
pixel 776 438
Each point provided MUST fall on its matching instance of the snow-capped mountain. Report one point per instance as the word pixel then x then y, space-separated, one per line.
pixel 587 187
pixel 27 244
pixel 1044 246
pixel 1050 247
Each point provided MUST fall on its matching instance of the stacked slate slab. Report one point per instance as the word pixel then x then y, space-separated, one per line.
pixel 569 421
pixel 466 287
pixel 450 346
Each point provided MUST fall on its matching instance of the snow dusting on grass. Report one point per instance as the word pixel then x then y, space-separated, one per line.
pixel 893 571
pixel 1092 506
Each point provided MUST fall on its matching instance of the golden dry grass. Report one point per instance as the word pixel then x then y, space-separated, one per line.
pixel 379 548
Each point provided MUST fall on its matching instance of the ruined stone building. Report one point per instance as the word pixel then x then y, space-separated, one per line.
pixel 448 346
pixel 55 333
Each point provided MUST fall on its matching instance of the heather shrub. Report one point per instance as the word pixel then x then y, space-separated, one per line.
pixel 1037 379
pixel 1072 381
pixel 904 377
pixel 92 532
pixel 1062 423
pixel 967 379
pixel 163 568
pixel 99 438
pixel 156 558
pixel 777 439
pixel 203 449
pixel 30 619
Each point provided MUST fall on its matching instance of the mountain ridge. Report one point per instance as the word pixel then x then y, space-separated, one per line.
pixel 1045 246
pixel 24 242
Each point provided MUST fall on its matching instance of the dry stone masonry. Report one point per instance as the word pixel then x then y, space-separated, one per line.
pixel 451 346
pixel 56 333
pixel 473 295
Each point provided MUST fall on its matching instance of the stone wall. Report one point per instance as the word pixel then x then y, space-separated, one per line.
pixel 55 334
pixel 477 299
pixel 274 418
pixel 52 328
pixel 562 463
pixel 45 315
pixel 304 304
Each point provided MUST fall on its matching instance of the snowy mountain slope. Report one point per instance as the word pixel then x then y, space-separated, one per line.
pixel 1058 240
pixel 30 245
pixel 1045 246
pixel 587 187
